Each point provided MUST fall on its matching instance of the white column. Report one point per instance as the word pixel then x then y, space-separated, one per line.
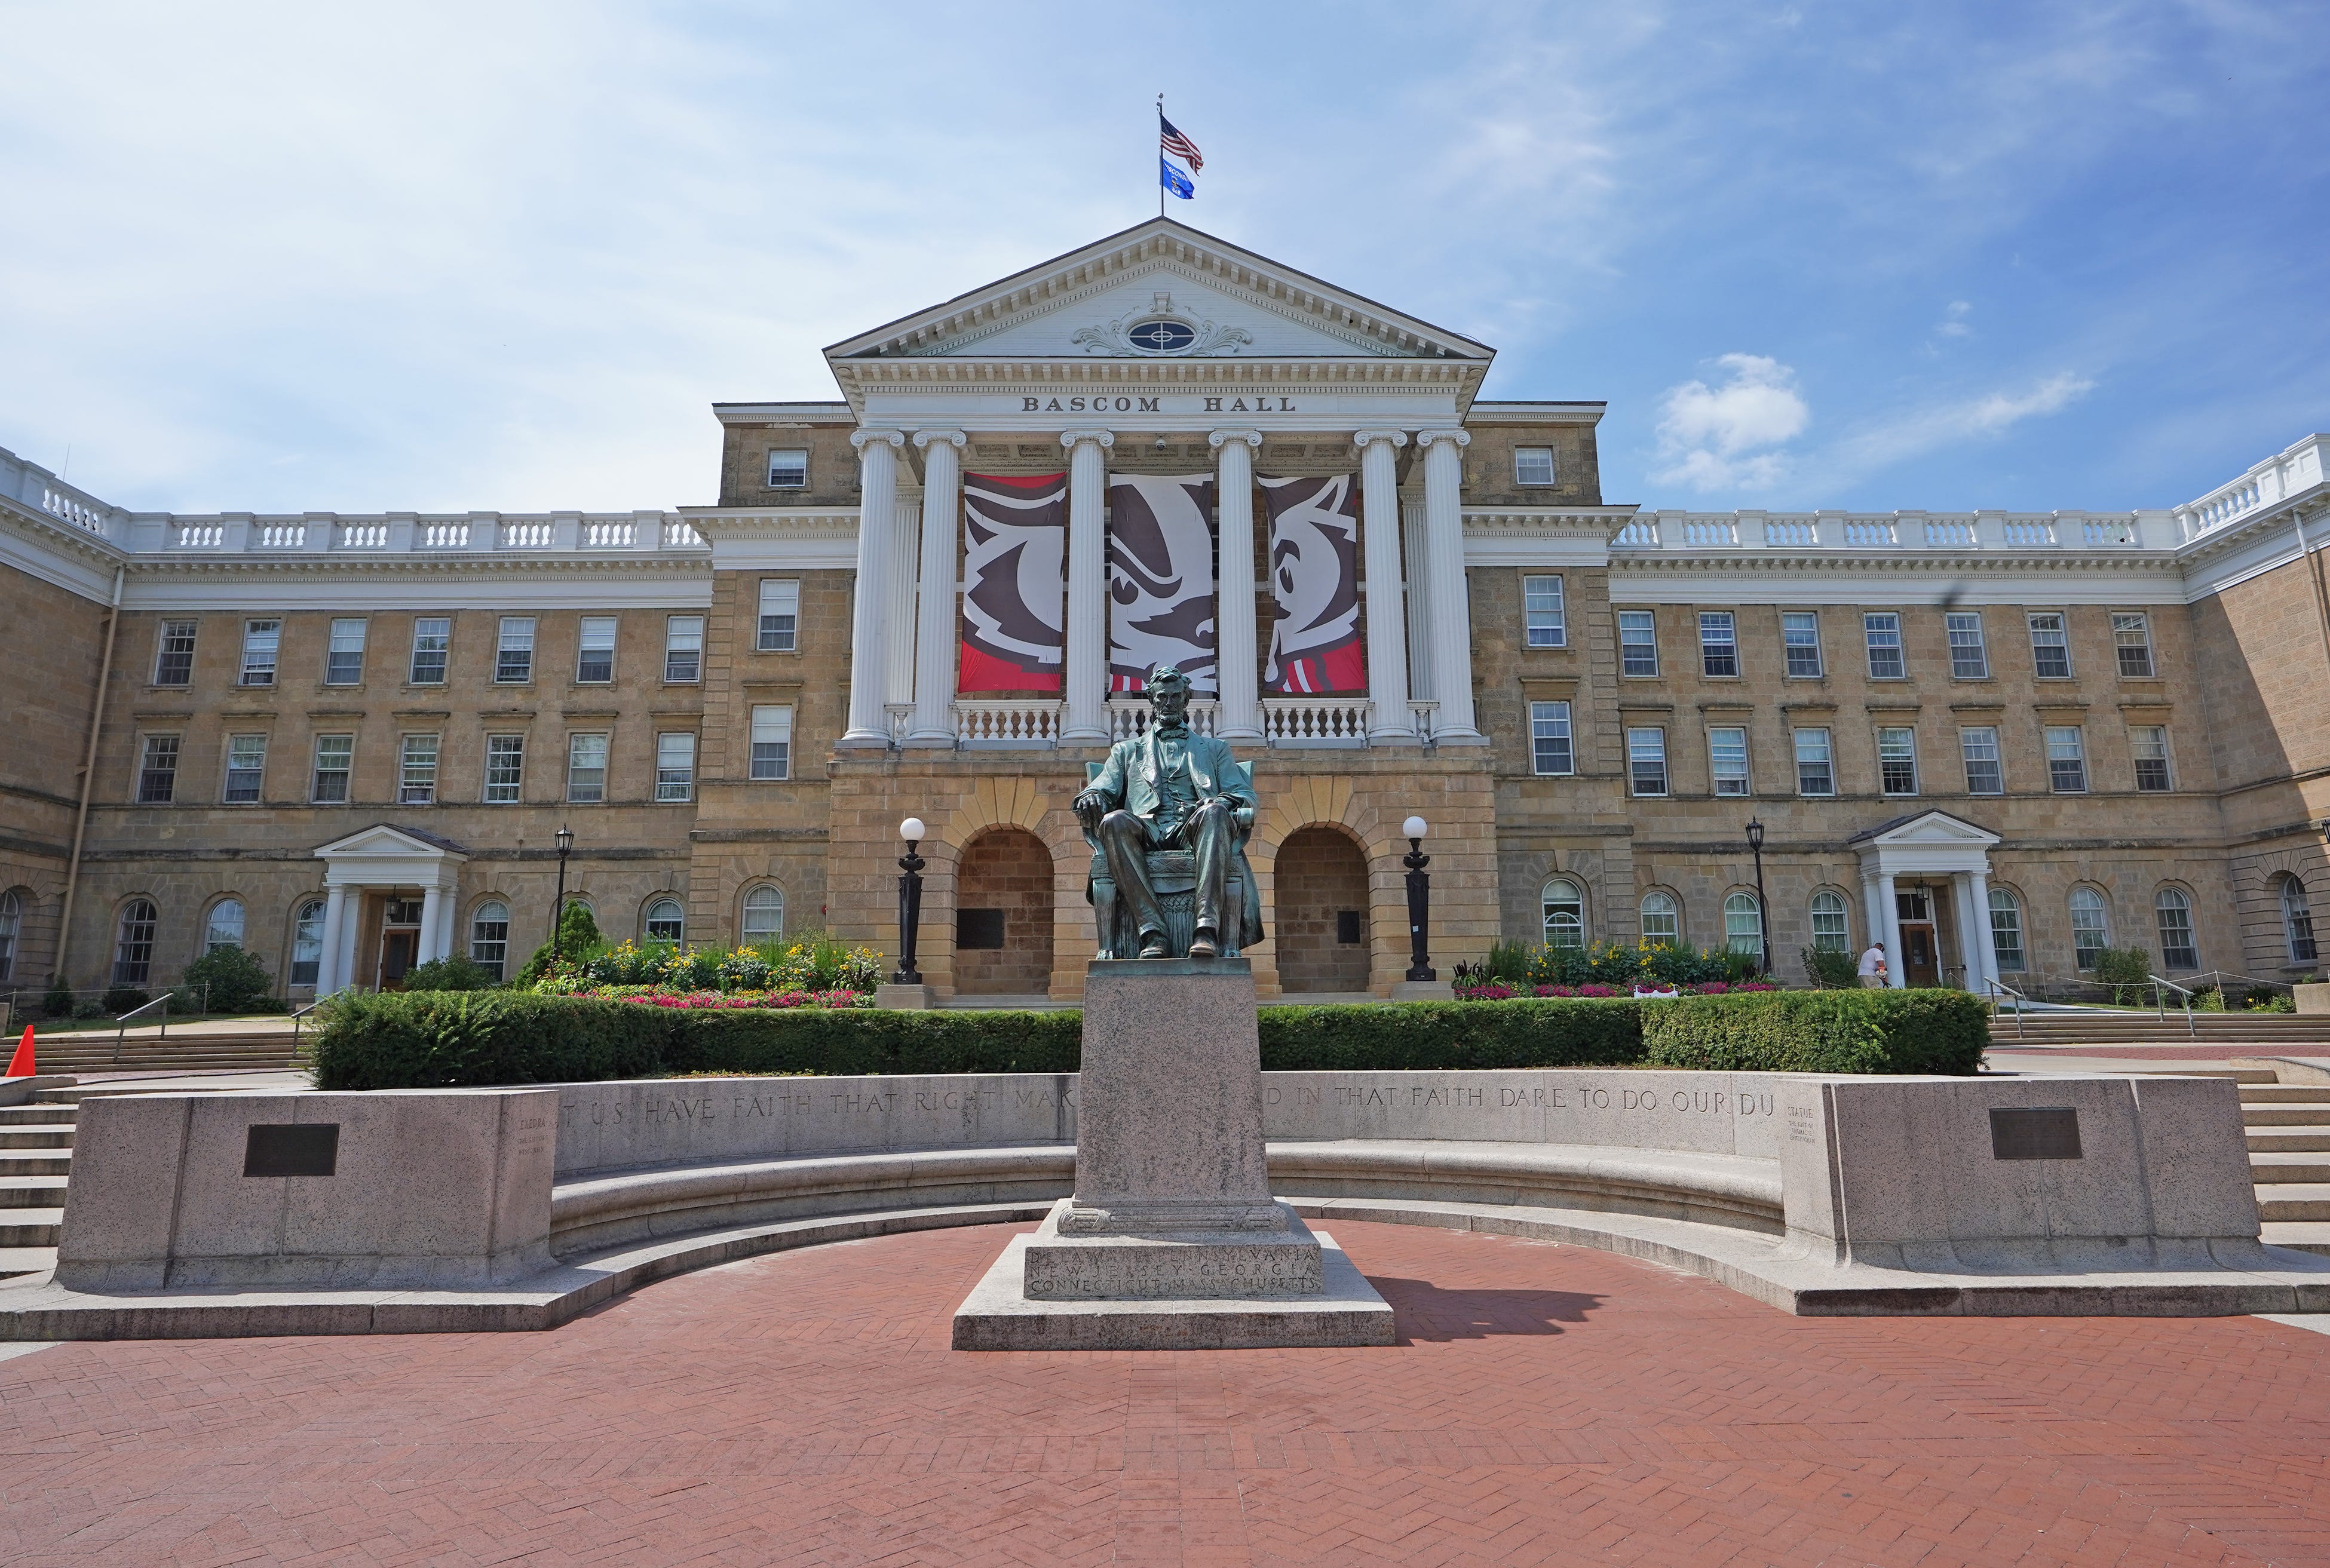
pixel 429 945
pixel 898 607
pixel 1978 895
pixel 933 723
pixel 1085 721
pixel 329 977
pixel 1415 550
pixel 877 506
pixel 1391 723
pixel 1452 611
pixel 1890 906
pixel 1240 718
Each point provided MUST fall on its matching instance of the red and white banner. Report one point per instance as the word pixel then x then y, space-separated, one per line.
pixel 1014 555
pixel 1161 579
pixel 1314 576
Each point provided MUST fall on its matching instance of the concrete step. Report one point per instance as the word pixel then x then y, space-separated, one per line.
pixel 37 1135
pixel 32 1162
pixel 38 1112
pixel 2298 1235
pixel 2281 1167
pixel 18 1262
pixel 2293 1140
pixel 30 1227
pixel 32 1192
pixel 2284 1115
pixel 2284 1094
pixel 2296 1201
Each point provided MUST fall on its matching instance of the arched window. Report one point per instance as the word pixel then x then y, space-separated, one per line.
pixel 2090 933
pixel 2006 930
pixel 764 914
pixel 1743 925
pixel 224 928
pixel 1830 933
pixel 1564 908
pixel 133 942
pixel 489 935
pixel 666 922
pixel 12 923
pixel 2297 921
pixel 2174 911
pixel 306 941
pixel 1661 920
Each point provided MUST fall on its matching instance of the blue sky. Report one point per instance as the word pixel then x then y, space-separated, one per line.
pixel 498 256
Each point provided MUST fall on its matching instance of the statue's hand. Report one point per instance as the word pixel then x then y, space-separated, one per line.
pixel 1090 806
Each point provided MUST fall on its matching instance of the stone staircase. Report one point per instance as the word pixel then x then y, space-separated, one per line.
pixel 35 1157
pixel 180 1050
pixel 2098 1030
pixel 2289 1127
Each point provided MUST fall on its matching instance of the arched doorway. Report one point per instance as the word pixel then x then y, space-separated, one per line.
pixel 1003 915
pixel 1322 933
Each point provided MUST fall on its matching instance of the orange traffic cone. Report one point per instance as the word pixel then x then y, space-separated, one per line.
pixel 21 1065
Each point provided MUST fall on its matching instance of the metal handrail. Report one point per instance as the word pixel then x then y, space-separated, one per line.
pixel 1995 988
pixel 2160 1003
pixel 162 1001
pixel 298 1014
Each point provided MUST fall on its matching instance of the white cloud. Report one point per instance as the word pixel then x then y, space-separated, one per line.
pixel 1954 322
pixel 1929 428
pixel 1710 437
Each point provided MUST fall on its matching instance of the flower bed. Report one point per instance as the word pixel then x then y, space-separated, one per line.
pixel 804 973
pixel 695 1000
pixel 1499 991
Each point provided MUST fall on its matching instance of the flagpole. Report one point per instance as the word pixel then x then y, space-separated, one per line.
pixel 1160 139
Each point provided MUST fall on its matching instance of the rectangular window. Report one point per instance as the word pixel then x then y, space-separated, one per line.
pixel 514 655
pixel 1800 634
pixel 335 759
pixel 1638 643
pixel 2067 760
pixel 780 616
pixel 2150 744
pixel 1727 753
pixel 344 657
pixel 1646 760
pixel 1896 760
pixel 1980 747
pixel 157 771
pixel 1550 742
pixel 1542 608
pixel 2177 951
pixel 594 655
pixel 2050 648
pixel 246 767
pixel 787 469
pixel 1532 465
pixel 431 635
pixel 505 768
pixel 416 775
pixel 772 742
pixel 2006 931
pixel 586 769
pixel 174 657
pixel 261 641
pixel 1969 659
pixel 2132 637
pixel 675 767
pixel 1719 648
pixel 1815 763
pixel 683 648
pixel 1883 632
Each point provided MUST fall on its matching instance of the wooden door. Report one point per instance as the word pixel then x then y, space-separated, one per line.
pixel 1921 959
pixel 396 951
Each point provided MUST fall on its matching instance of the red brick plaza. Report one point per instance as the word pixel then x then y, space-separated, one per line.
pixel 1544 1405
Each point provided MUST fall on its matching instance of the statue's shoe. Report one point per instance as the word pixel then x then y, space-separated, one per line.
pixel 1153 946
pixel 1206 944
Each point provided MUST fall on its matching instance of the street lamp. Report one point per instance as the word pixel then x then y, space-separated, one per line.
pixel 1762 913
pixel 909 903
pixel 565 837
pixel 1419 899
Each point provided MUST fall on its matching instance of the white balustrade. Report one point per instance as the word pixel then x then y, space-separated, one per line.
pixel 680 534
pixel 1427 716
pixel 2228 504
pixel 72 509
pixel 440 535
pixel 1710 532
pixel 1950 533
pixel 364 536
pixel 1000 721
pixel 2030 533
pixel 198 536
pixel 1128 715
pixel 279 536
pixel 609 534
pixel 1791 533
pixel 1315 721
pixel 1870 533
pixel 901 716
pixel 1638 534
pixel 532 534
pixel 2110 532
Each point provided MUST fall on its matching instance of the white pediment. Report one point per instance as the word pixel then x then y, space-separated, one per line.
pixel 382 841
pixel 1927 828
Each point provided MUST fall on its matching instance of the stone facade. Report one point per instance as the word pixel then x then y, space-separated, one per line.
pixel 2204 629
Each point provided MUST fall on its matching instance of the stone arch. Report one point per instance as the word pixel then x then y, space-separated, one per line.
pixel 1321 883
pixel 1006 894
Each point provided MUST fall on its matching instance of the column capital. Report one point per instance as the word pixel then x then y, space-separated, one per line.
pixel 1363 439
pixel 1219 438
pixel 861 440
pixel 952 438
pixel 1424 439
pixel 1071 439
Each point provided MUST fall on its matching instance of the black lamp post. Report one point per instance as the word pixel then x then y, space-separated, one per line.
pixel 1762 913
pixel 909 903
pixel 565 836
pixel 1419 899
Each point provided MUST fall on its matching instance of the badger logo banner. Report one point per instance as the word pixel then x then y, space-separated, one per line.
pixel 1161 579
pixel 1015 557
pixel 1314 576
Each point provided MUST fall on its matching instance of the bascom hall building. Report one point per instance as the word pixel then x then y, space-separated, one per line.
pixel 1996 742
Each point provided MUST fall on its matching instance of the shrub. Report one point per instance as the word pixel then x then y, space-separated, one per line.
pixel 120 999
pixel 453 972
pixel 89 1007
pixel 234 980
pixel 2271 1002
pixel 1527 1032
pixel 2209 999
pixel 852 1042
pixel 1916 1031
pixel 58 1003
pixel 447 1039
pixel 578 937
pixel 1831 970
pixel 2126 971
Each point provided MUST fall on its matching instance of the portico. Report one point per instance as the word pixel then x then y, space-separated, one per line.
pixel 372 880
pixel 1908 866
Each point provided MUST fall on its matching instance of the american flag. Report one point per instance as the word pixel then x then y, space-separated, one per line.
pixel 1179 145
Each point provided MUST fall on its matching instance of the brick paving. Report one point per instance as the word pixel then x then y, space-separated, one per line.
pixel 1546 1404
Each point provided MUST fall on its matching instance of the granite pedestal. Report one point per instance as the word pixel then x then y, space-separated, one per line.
pixel 1172 1239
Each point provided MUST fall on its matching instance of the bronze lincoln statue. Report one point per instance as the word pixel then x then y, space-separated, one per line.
pixel 1169 814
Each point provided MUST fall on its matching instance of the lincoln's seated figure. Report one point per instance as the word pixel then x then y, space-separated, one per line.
pixel 1167 816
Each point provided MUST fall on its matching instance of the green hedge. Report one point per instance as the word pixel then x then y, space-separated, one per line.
pixel 1919 1031
pixel 443 1039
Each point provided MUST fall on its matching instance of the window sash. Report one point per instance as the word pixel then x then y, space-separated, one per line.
pixel 1983 773
pixel 1544 614
pixel 416 783
pixel 2006 931
pixel 2149 744
pixel 2177 948
pixel 489 936
pixel 1832 928
pixel 1646 761
pixel 780 628
pixel 2050 647
pixel 432 638
pixel 334 761
pixel 1719 647
pixel 262 643
pixel 158 770
pixel 2067 761
pixel 514 653
pixel 505 768
pixel 1743 925
pixel 764 914
pixel 343 656
pixel 1638 643
pixel 2132 639
pixel 1563 911
pixel 1815 763
pixel 1896 761
pixel 683 648
pixel 594 651
pixel 1532 465
pixel 1882 634
pixel 1800 635
pixel 2297 923
pixel 787 469
pixel 133 943
pixel 1660 920
pixel 675 766
pixel 586 769
pixel 663 927
pixel 1551 750
pixel 2090 933
pixel 246 767
pixel 773 744
pixel 307 942
pixel 1969 659
pixel 174 658
pixel 1727 753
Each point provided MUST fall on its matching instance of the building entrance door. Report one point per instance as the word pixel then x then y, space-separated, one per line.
pixel 1921 951
pixel 399 941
